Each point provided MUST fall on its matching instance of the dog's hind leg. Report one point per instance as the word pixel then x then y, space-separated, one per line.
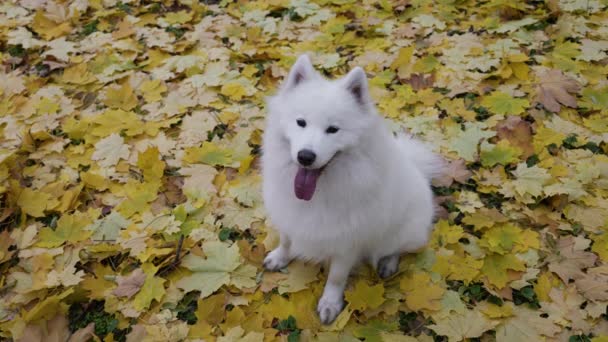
pixel 280 256
pixel 388 265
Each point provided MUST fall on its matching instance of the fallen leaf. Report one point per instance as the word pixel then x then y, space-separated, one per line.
pixel 421 293
pixel 525 325
pixel 554 89
pixel 504 104
pixel 495 267
pixel 364 296
pixel 110 150
pixel 572 258
pixel 129 285
pixel 458 327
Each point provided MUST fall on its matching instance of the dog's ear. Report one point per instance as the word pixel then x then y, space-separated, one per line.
pixel 356 83
pixel 301 71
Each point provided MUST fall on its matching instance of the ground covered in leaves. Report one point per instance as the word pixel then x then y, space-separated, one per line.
pixel 129 183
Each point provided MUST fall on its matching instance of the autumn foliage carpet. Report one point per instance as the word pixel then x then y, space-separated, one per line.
pixel 130 204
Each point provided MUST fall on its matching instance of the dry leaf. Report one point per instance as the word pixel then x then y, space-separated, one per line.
pixel 129 285
pixel 554 90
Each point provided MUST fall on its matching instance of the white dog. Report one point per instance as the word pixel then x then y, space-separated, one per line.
pixel 338 185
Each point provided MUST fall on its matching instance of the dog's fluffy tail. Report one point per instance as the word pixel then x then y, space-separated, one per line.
pixel 431 164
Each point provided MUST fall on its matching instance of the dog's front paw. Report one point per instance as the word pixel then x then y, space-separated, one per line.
pixel 329 309
pixel 276 260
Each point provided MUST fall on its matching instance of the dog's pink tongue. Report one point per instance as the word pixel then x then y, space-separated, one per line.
pixel 305 183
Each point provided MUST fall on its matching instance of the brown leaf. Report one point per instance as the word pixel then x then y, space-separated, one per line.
pixel 253 253
pixel 419 81
pixel 54 330
pixel 57 329
pixel 53 65
pixel 5 243
pixel 124 29
pixel 518 132
pixel 571 259
pixel 456 170
pixel 83 334
pixel 566 303
pixel 174 193
pixel 271 280
pixel 32 333
pixel 407 31
pixel 129 285
pixel 138 332
pixel 554 89
pixel 594 285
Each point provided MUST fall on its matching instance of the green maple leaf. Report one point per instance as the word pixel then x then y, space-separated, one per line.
pixel 364 296
pixel 153 289
pixel 108 227
pixel 530 179
pixel 372 332
pixel 209 154
pixel 459 327
pixel 70 228
pixel 504 104
pixel 500 239
pixel 221 266
pixel 595 98
pixel 495 268
pixel 502 153
pixel 466 142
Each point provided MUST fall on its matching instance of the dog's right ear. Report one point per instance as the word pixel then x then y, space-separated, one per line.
pixel 301 71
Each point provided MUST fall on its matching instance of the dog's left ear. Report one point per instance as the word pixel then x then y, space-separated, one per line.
pixel 356 83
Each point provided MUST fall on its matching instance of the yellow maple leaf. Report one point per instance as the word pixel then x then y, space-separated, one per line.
pixel 444 234
pixel 48 307
pixel 152 289
pixel 93 180
pixel 545 136
pixel 404 57
pixel 210 154
pixel 545 282
pixel 500 239
pixel 47 106
pixel 364 296
pixel 139 195
pixel 69 229
pixel 494 311
pixel 116 120
pixel 33 202
pixel 151 164
pixel 78 74
pixel 299 276
pixel 233 90
pixel 152 90
pixel 495 267
pixel 421 293
pixel 600 245
pixel 459 327
pixel 97 283
pixel 49 29
pixel 122 97
pixel 180 17
pixel 456 267
pixel 504 104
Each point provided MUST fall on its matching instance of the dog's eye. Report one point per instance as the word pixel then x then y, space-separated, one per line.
pixel 301 122
pixel 332 129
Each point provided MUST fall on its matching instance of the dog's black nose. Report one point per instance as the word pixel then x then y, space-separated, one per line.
pixel 306 157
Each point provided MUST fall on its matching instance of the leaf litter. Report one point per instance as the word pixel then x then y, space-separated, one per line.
pixel 129 177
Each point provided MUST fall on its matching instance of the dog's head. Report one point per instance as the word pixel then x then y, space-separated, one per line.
pixel 320 117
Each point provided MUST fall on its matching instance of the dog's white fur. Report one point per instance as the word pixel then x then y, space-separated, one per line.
pixel 373 200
